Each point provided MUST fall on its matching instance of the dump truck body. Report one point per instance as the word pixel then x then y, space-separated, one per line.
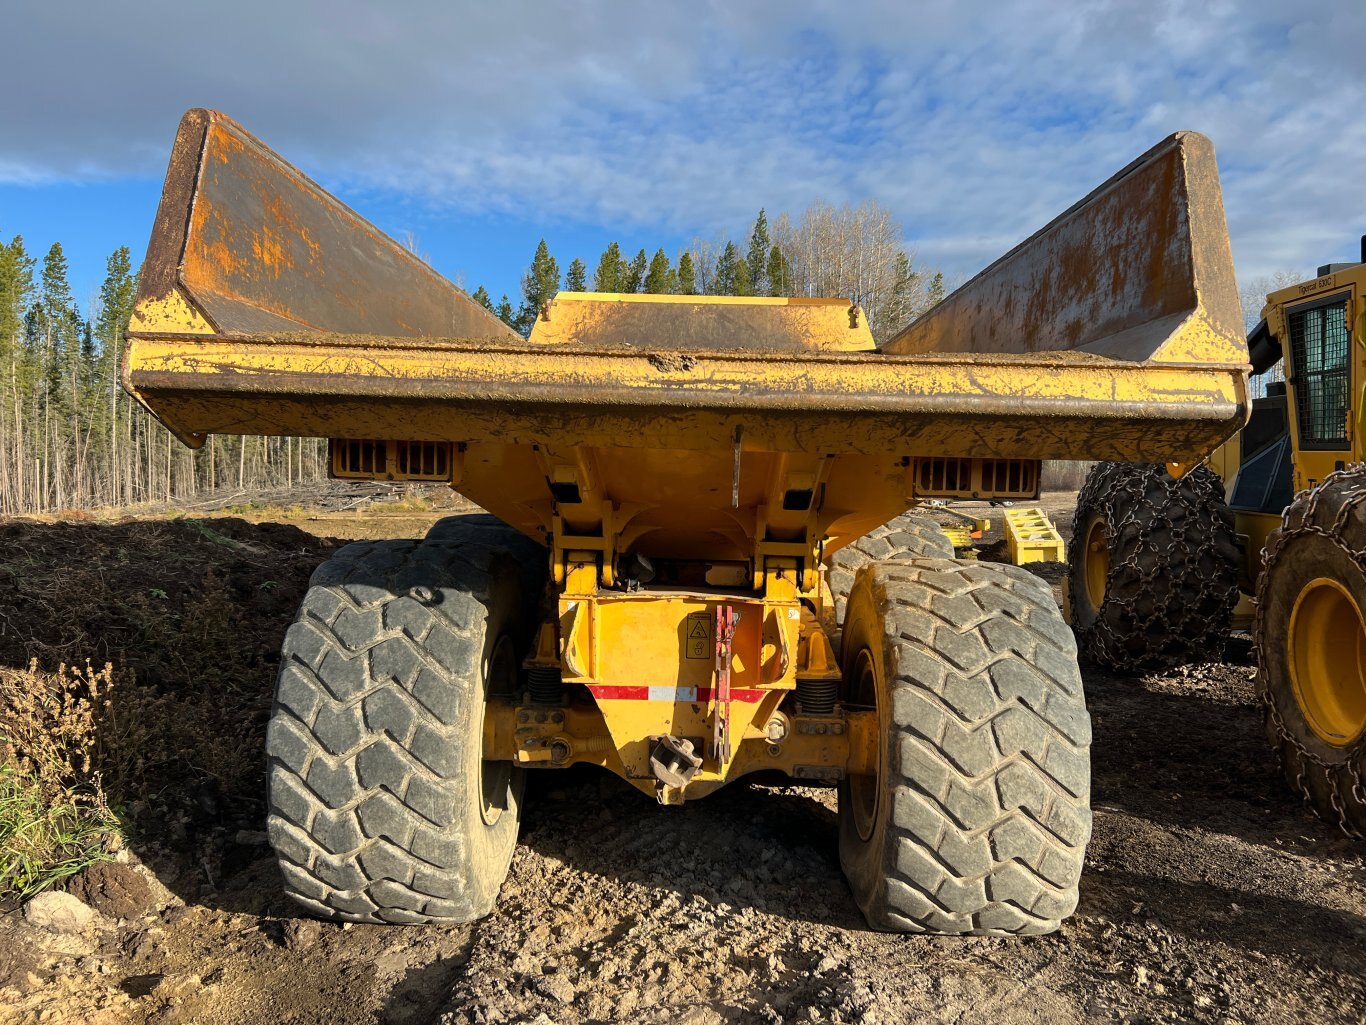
pixel 690 464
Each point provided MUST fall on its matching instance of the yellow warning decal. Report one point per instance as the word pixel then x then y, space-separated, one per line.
pixel 699 635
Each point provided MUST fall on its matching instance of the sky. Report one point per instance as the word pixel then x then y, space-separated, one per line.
pixel 481 128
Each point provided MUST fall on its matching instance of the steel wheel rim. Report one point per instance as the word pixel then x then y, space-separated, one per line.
pixel 495 777
pixel 1096 561
pixel 1326 644
pixel 865 791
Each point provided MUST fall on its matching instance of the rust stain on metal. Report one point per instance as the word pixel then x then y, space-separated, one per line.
pixel 259 246
pixel 1125 272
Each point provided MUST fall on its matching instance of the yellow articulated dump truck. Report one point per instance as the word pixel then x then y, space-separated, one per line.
pixel 1162 569
pixel 701 557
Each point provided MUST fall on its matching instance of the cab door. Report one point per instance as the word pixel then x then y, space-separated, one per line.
pixel 1320 350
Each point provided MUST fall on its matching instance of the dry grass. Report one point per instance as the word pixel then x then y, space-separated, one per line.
pixel 174 628
pixel 54 816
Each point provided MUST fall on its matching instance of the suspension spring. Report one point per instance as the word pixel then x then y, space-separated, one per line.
pixel 816 696
pixel 545 685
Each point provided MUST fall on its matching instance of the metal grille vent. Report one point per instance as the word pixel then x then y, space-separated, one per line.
pixel 391 460
pixel 941 477
pixel 356 458
pixel 1319 350
pixel 1010 476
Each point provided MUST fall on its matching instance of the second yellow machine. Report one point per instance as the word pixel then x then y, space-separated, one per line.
pixel 699 561
pixel 1161 568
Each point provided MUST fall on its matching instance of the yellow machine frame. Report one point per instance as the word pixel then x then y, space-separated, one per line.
pixel 1310 461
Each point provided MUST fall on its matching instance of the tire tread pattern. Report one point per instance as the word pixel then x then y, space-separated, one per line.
pixel 1335 788
pixel 990 794
pixel 363 745
pixel 1174 566
pixel 912 535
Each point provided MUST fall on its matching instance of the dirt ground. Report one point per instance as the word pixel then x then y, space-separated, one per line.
pixel 1210 894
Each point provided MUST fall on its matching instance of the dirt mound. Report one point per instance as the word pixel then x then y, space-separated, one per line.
pixel 178 602
pixel 190 613
pixel 113 889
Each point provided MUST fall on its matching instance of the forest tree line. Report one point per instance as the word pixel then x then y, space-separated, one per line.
pixel 71 438
pixel 848 252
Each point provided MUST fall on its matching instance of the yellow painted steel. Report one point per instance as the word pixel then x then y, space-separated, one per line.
pixel 1060 405
pixel 594 319
pixel 648 658
pixel 1031 537
pixel 1327 648
pixel 732 444
pixel 541 737
pixel 960 537
pixel 1253 529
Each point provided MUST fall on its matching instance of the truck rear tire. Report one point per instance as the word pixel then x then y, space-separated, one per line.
pixel 486 529
pixel 912 535
pixel 381 807
pixel 1152 566
pixel 1310 634
pixel 978 819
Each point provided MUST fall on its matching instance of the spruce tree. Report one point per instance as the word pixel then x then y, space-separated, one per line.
pixel 576 278
pixel 539 285
pixel 687 276
pixel 778 273
pixel 756 261
pixel 16 295
pixel 743 284
pixel 899 308
pixel 86 369
pixel 935 295
pixel 60 326
pixel 611 273
pixel 661 280
pixel 481 296
pixel 117 294
pixel 725 279
pixel 635 273
pixel 504 312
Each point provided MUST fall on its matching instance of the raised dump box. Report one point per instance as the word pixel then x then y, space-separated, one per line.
pixel 688 590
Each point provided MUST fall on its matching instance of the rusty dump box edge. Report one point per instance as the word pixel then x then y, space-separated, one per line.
pixel 269 307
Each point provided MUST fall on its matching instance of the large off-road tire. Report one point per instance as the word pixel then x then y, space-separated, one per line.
pixel 485 529
pixel 1311 647
pixel 381 807
pixel 912 535
pixel 1152 566
pixel 978 819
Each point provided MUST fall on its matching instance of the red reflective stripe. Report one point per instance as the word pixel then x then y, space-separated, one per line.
pixel 620 692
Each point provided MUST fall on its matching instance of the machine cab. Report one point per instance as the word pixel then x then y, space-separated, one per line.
pixel 1305 425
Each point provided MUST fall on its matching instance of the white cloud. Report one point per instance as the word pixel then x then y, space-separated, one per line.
pixel 975 124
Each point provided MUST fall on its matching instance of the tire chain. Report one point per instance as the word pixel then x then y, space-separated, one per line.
pixel 1134 481
pixel 1354 473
